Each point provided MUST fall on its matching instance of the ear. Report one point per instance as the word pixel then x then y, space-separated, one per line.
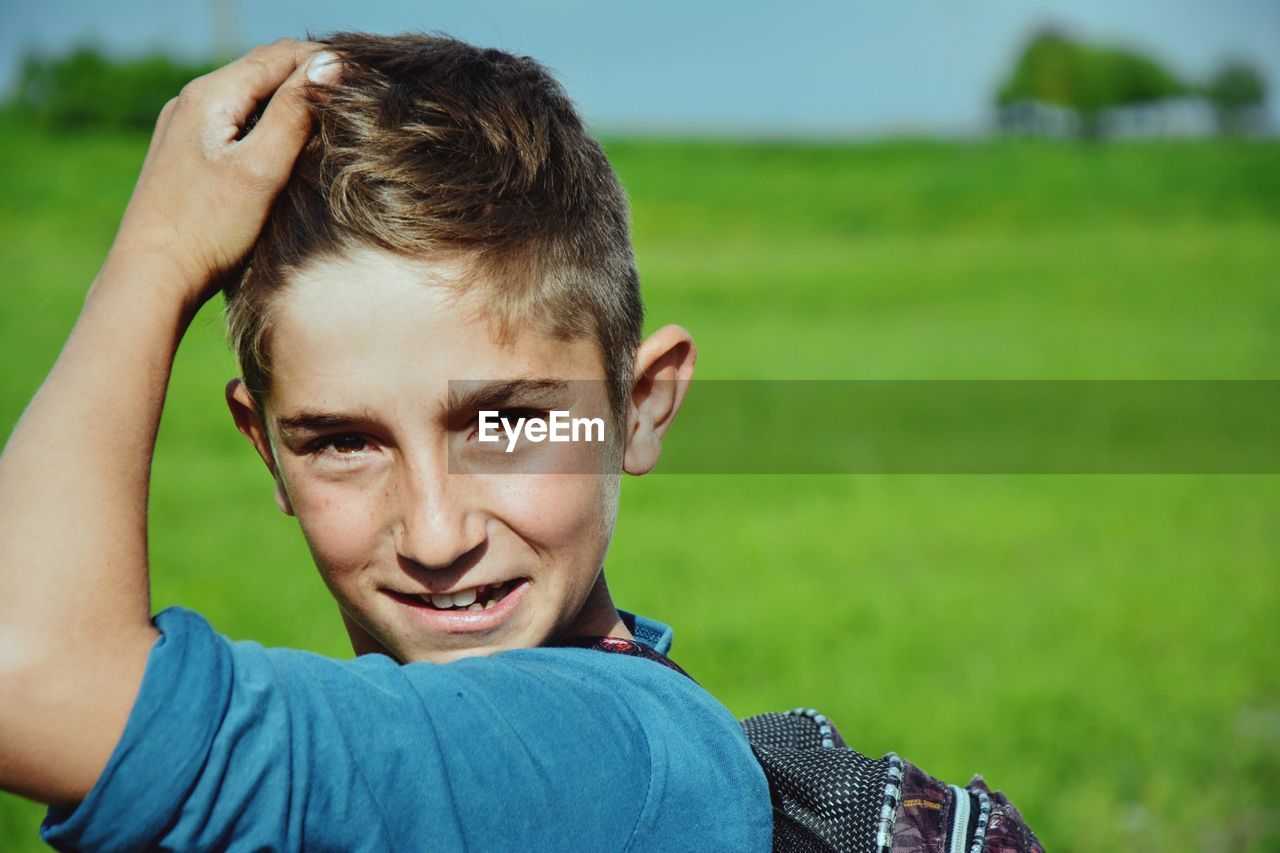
pixel 249 421
pixel 663 369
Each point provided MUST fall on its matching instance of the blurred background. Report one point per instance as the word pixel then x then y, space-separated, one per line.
pixel 991 189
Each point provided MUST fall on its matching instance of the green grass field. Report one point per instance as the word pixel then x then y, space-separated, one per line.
pixel 1103 648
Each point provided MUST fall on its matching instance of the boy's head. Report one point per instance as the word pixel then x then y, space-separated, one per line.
pixel 433 148
pixel 450 219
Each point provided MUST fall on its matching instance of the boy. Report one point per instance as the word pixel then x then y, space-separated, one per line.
pixel 446 218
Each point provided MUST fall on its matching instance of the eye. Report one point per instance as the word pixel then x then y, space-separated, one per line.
pixel 514 415
pixel 344 445
pixel 348 443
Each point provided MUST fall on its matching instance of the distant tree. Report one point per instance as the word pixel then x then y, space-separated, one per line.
pixel 1045 72
pixel 1055 69
pixel 1134 79
pixel 87 88
pixel 1238 92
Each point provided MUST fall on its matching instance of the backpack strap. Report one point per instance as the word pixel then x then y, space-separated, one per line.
pixel 619 646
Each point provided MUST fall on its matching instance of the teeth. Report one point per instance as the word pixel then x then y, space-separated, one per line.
pixel 472 598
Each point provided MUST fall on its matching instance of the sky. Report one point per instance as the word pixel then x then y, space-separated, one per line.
pixel 807 68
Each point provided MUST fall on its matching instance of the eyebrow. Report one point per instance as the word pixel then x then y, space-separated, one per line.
pixel 473 397
pixel 464 401
pixel 313 421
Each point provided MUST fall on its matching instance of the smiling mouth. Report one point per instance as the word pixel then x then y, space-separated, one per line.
pixel 484 597
pixel 457 613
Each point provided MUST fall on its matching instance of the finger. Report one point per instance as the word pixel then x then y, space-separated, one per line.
pixel 281 132
pixel 239 87
pixel 166 112
pixel 162 126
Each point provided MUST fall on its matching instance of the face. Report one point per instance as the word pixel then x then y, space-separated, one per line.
pixel 397 499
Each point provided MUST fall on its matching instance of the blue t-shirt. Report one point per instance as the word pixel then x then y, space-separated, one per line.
pixel 230 744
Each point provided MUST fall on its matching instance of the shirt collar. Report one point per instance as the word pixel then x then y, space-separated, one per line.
pixel 654 634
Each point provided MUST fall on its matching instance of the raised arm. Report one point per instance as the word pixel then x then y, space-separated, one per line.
pixel 75 627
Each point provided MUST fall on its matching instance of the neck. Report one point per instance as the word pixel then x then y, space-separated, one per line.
pixel 598 616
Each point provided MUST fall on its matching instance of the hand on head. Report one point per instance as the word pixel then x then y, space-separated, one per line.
pixel 206 185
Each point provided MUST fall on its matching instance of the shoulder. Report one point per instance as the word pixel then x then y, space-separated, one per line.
pixel 289 748
pixel 624 735
pixel 704 788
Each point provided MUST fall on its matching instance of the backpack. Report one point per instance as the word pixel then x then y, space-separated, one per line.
pixel 829 798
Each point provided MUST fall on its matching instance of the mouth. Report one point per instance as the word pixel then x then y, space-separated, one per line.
pixel 472 609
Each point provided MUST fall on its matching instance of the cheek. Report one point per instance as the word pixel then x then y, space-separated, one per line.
pixel 559 512
pixel 342 526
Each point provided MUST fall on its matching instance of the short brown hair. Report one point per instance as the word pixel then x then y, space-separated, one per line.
pixel 431 147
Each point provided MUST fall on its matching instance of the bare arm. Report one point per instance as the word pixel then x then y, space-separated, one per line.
pixel 75 607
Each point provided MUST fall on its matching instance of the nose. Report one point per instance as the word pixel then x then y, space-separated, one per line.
pixel 436 525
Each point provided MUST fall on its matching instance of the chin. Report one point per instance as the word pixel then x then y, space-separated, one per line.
pixel 411 648
pixel 450 655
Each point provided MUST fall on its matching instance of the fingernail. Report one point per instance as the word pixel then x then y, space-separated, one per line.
pixel 323 67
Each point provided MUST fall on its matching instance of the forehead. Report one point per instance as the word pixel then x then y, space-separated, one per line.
pixel 373 328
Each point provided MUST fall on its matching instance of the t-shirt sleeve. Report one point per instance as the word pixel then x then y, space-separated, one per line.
pixel 230 744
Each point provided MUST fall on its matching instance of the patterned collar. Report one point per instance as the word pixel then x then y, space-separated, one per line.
pixel 649 636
